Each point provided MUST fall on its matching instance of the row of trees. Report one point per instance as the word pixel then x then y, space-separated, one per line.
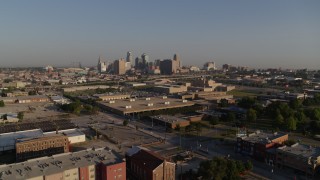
pixel 76 108
pixel 221 168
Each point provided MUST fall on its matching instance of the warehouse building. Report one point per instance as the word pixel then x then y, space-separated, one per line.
pixel 131 106
pixel 29 148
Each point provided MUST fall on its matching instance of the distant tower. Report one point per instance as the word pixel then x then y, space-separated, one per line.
pixel 102 67
pixel 129 57
pixel 177 59
pixel 119 67
pixel 145 59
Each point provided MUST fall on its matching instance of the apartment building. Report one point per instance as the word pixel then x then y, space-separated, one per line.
pixel 88 164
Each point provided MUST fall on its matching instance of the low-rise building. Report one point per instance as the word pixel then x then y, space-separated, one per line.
pixel 256 144
pixel 171 89
pixel 143 164
pixel 88 164
pixel 29 148
pixel 32 99
pixel 8 140
pixel 300 157
pixel 108 97
pixel 170 121
pixel 74 135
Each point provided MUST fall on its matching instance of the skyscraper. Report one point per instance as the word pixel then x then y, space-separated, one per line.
pixel 102 66
pixel 119 66
pixel 129 57
pixel 145 59
pixel 168 66
pixel 176 58
pixel 209 66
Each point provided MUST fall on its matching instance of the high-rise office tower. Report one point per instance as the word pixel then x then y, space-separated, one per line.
pixel 138 63
pixel 168 66
pixel 145 59
pixel 119 67
pixel 129 57
pixel 176 58
pixel 102 66
pixel 209 66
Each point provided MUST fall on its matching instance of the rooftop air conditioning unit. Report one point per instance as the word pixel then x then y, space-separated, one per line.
pixel 164 97
pixel 184 101
pixel 167 103
pixel 112 102
pixel 150 104
pixel 132 100
pixel 128 107
pixel 147 99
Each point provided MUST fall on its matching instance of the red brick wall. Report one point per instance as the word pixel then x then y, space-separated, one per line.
pixel 84 173
pixel 118 170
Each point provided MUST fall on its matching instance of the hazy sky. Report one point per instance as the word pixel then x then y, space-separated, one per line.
pixel 255 33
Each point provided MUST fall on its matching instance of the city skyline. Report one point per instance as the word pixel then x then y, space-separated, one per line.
pixel 246 33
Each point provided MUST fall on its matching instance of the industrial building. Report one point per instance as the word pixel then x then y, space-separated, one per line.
pixel 29 148
pixel 130 106
pixel 89 164
pixel 107 97
pixel 170 89
pixel 9 133
pixel 170 121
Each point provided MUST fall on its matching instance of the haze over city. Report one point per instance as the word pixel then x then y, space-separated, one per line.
pixel 258 34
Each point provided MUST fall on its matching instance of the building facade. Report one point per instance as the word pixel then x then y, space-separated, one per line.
pixel 256 144
pixel 143 164
pixel 300 157
pixel 41 146
pixel 90 164
pixel 119 67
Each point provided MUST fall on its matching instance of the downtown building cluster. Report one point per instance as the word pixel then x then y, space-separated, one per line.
pixel 141 65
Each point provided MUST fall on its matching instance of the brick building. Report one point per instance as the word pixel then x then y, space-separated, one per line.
pixel 143 164
pixel 42 146
pixel 256 144
pixel 300 157
pixel 88 164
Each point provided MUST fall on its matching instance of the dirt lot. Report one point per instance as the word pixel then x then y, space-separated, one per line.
pixel 33 111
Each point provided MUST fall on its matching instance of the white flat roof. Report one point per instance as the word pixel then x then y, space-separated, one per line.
pixel 8 140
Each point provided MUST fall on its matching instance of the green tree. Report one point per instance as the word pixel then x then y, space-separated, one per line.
pixel 279 121
pixel 5 117
pixel 295 104
pixel 125 122
pixel 32 93
pixel 248 165
pixel 20 116
pixel 316 114
pixel 291 123
pixel 231 116
pixel 247 102
pixel 251 115
pixel 224 103
pixel 2 103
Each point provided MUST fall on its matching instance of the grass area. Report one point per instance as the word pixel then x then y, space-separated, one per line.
pixel 241 93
